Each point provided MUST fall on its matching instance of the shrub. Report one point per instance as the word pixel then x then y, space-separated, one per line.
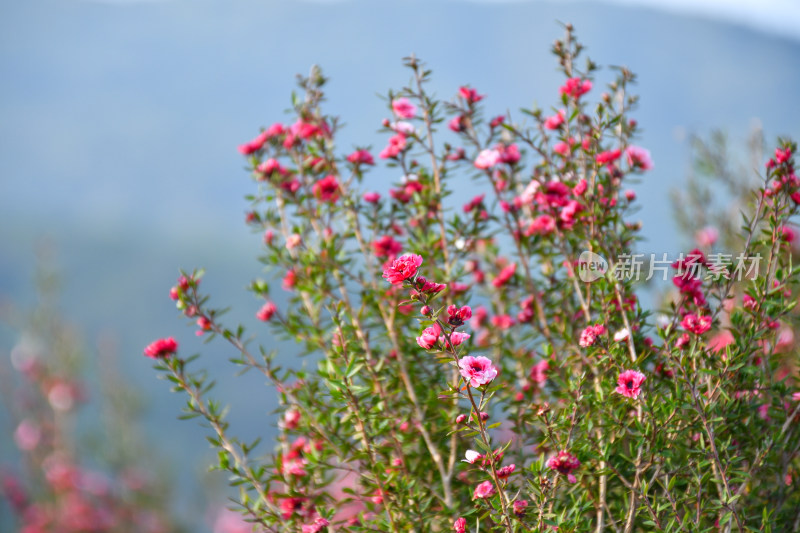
pixel 490 367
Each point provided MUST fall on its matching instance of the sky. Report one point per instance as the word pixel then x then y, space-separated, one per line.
pixel 120 121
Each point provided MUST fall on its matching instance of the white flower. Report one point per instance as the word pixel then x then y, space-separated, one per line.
pixel 401 126
pixel 622 335
pixel 471 457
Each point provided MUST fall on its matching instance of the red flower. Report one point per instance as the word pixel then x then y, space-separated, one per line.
pixel 460 525
pixel 327 189
pixel 402 268
pixel 161 349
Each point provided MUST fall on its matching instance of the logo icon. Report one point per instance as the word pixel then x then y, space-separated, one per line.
pixel 591 266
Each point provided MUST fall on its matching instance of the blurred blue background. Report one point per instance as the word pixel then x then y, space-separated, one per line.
pixel 119 123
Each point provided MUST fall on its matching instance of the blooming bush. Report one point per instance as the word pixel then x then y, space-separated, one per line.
pixel 61 481
pixel 475 368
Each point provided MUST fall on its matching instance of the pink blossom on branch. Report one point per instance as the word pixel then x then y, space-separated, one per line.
pixel 361 157
pixel 483 491
pixel 429 337
pixel 629 383
pixel 402 268
pixel 403 108
pixel 639 158
pixel 477 371
pixel 470 95
pixel 327 189
pixel 696 324
pixel 161 348
pixel 576 87
pixel 564 463
pixel 487 159
pixel 255 145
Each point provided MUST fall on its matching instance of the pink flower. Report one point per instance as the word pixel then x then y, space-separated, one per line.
pixel 506 274
pixel 502 322
pixel 289 280
pixel 477 371
pixel 27 435
pixel 629 383
pixel 470 95
pixel 539 371
pixel 590 334
pixel 397 143
pixel 386 246
pixel 576 87
pixel 706 237
pixel 371 197
pixel 293 241
pixel 638 158
pixel 506 471
pixel 402 268
pixel 786 234
pixel 555 122
pixel 456 338
pixel 509 154
pixel 161 349
pixel 783 155
pixel 456 124
pixel 605 158
pixel 564 463
pixel 291 419
pixel 255 145
pixel 270 167
pixel 315 527
pixel 457 316
pixel 487 159
pixel 403 108
pixel 327 189
pixel 696 324
pixel 429 337
pixel 483 491
pixel 541 225
pixel 474 203
pixel 519 507
pixel 267 310
pixel 460 525
pixel 561 148
pixel 361 157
